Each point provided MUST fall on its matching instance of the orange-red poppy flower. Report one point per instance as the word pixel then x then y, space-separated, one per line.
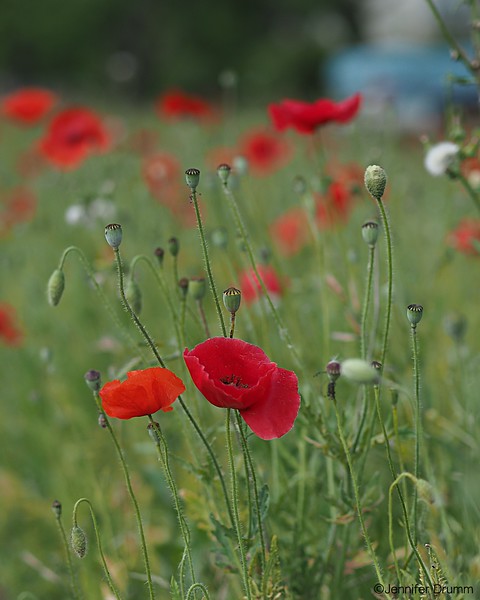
pixel 264 151
pixel 466 237
pixel 10 334
pixel 175 104
pixel 28 105
pixel 290 231
pixel 251 287
pixel 72 136
pixel 143 393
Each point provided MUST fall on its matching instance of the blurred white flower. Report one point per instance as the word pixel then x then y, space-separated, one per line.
pixel 439 157
pixel 88 215
pixel 75 214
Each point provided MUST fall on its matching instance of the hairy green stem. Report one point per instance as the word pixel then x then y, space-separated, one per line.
pixel 207 263
pixel 73 582
pixel 418 427
pixel 199 586
pixel 163 454
pixel 234 491
pixel 388 311
pixel 99 542
pixel 131 493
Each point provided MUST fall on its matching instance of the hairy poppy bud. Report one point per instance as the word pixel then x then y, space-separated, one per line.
pixel 333 370
pixel 414 314
pixel 375 181
pixel 183 285
pixel 134 295
pixel 223 171
pixel 192 177
pixel 370 233
pixel 359 371
pixel 231 299
pixel 93 380
pixel 55 287
pixel 57 508
pixel 78 540
pixel 113 235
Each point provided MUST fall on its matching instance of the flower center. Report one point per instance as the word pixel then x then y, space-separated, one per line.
pixel 233 380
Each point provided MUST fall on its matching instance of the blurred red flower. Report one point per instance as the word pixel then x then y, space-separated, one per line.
pixel 264 151
pixel 143 393
pixel 231 373
pixel 251 287
pixel 306 117
pixel 466 237
pixel 175 104
pixel 72 136
pixel 9 332
pixel 19 207
pixel 160 170
pixel 290 231
pixel 28 105
pixel 335 206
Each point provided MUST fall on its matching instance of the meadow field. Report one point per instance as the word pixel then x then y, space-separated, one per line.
pixel 257 502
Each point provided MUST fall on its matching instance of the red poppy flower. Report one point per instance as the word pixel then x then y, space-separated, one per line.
pixel 142 393
pixel 251 287
pixel 231 373
pixel 28 106
pixel 178 105
pixel 72 136
pixel 264 151
pixel 335 206
pixel 306 118
pixel 466 237
pixel 290 231
pixel 20 205
pixel 9 331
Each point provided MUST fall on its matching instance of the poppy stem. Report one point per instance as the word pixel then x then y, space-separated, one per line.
pixel 195 586
pixel 358 500
pixel 248 460
pixel 99 542
pixel 237 524
pixel 386 439
pixel 203 318
pixel 73 581
pixel 207 263
pixel 163 454
pixel 418 426
pixel 131 493
pixel 388 313
pixel 232 324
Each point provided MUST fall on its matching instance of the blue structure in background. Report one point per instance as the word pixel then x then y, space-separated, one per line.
pixel 412 79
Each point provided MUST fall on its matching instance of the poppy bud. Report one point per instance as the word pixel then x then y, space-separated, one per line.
pixel 359 371
pixel 93 380
pixel 219 237
pixel 231 299
pixel 370 233
pixel 134 295
pixel 223 171
pixel 192 177
pixel 57 508
pixel 414 314
pixel 55 287
pixel 375 181
pixel 426 491
pixel 159 253
pixel 333 370
pixel 113 235
pixel 78 540
pixel 183 285
pixel 197 287
pixel 173 246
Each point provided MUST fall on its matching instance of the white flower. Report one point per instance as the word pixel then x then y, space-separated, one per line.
pixel 439 157
pixel 75 214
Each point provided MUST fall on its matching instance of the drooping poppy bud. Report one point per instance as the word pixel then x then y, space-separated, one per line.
pixel 55 287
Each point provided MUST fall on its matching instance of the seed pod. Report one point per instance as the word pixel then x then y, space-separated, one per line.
pixel 414 314
pixel 197 287
pixel 192 177
pixel 93 380
pixel 231 299
pixel 113 235
pixel 333 370
pixel 370 233
pixel 223 171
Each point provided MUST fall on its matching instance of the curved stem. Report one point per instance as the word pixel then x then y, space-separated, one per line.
pixel 388 313
pixel 163 454
pixel 196 586
pixel 100 293
pixel 207 263
pixel 131 493
pixel 73 582
pixel 471 192
pixel 366 536
pixel 99 543
pixel 400 495
pixel 237 525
